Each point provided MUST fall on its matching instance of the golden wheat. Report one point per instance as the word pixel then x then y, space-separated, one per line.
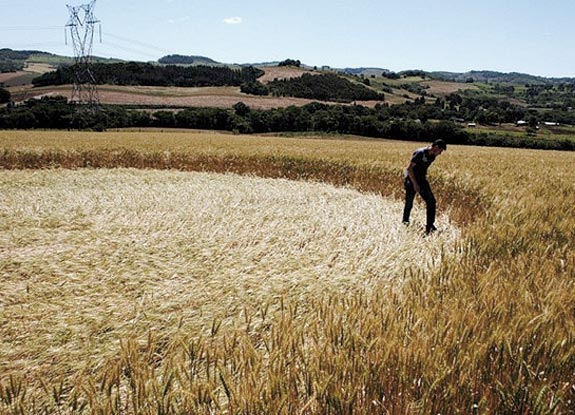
pixel 489 328
pixel 95 256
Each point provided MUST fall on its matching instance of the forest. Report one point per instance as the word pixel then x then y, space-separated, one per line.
pixel 133 73
pixel 382 121
pixel 324 87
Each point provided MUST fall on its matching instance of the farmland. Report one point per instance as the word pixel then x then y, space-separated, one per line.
pixel 21 88
pixel 215 97
pixel 24 77
pixel 284 285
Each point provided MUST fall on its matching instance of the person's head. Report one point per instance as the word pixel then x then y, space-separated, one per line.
pixel 438 147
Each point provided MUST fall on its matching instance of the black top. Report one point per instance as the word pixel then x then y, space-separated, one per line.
pixel 422 159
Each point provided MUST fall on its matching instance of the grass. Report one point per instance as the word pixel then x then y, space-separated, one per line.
pixel 544 132
pixel 172 91
pixel 220 97
pixel 488 327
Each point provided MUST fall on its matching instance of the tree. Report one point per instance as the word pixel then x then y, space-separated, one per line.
pixel 254 88
pixel 134 73
pixel 532 123
pixel 5 96
pixel 290 62
pixel 390 75
pixel 241 109
pixel 324 87
pixel 164 119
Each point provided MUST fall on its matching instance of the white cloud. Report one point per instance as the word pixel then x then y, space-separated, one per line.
pixel 233 20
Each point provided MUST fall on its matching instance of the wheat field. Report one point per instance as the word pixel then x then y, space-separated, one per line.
pixel 94 255
pixel 188 272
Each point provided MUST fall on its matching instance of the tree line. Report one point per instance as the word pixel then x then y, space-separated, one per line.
pixel 479 108
pixel 58 113
pixel 10 66
pixel 134 73
pixel 382 121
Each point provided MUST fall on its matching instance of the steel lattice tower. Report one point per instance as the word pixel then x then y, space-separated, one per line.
pixel 81 26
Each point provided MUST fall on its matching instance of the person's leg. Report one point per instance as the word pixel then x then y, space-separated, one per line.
pixel 430 203
pixel 409 196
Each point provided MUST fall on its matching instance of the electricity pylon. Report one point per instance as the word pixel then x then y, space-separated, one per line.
pixel 81 26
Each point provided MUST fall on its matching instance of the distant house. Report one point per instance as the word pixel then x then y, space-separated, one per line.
pixel 521 123
pixel 471 125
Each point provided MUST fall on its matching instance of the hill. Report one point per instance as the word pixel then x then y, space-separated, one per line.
pixel 14 60
pixel 180 81
pixel 21 57
pixel 493 77
pixel 324 87
pixel 364 71
pixel 485 76
pixel 187 60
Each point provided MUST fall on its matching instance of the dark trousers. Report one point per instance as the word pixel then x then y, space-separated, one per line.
pixel 425 193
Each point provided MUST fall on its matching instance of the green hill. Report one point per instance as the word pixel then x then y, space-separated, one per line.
pixel 187 60
pixel 494 77
pixel 14 60
pixel 324 87
pixel 19 55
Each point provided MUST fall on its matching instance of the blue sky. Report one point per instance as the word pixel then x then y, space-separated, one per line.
pixel 530 36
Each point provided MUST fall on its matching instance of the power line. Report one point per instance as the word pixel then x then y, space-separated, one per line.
pixel 141 49
pixel 32 45
pixel 126 49
pixel 137 42
pixel 28 28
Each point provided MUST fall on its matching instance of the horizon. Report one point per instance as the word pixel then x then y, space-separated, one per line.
pixel 448 37
pixel 306 65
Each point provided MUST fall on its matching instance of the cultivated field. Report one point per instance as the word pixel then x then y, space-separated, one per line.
pixel 442 88
pixel 136 280
pixel 94 256
pixel 272 73
pixel 218 97
pixel 21 89
pixel 24 77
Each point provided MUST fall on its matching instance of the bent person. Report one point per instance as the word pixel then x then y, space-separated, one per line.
pixel 416 182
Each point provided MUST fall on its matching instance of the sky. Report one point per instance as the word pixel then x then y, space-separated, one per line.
pixel 527 36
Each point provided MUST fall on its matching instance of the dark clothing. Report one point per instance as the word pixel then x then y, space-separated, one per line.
pixel 425 193
pixel 422 160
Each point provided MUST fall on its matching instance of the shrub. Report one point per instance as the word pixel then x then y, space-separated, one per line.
pixel 5 96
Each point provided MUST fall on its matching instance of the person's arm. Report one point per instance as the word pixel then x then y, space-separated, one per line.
pixel 411 176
